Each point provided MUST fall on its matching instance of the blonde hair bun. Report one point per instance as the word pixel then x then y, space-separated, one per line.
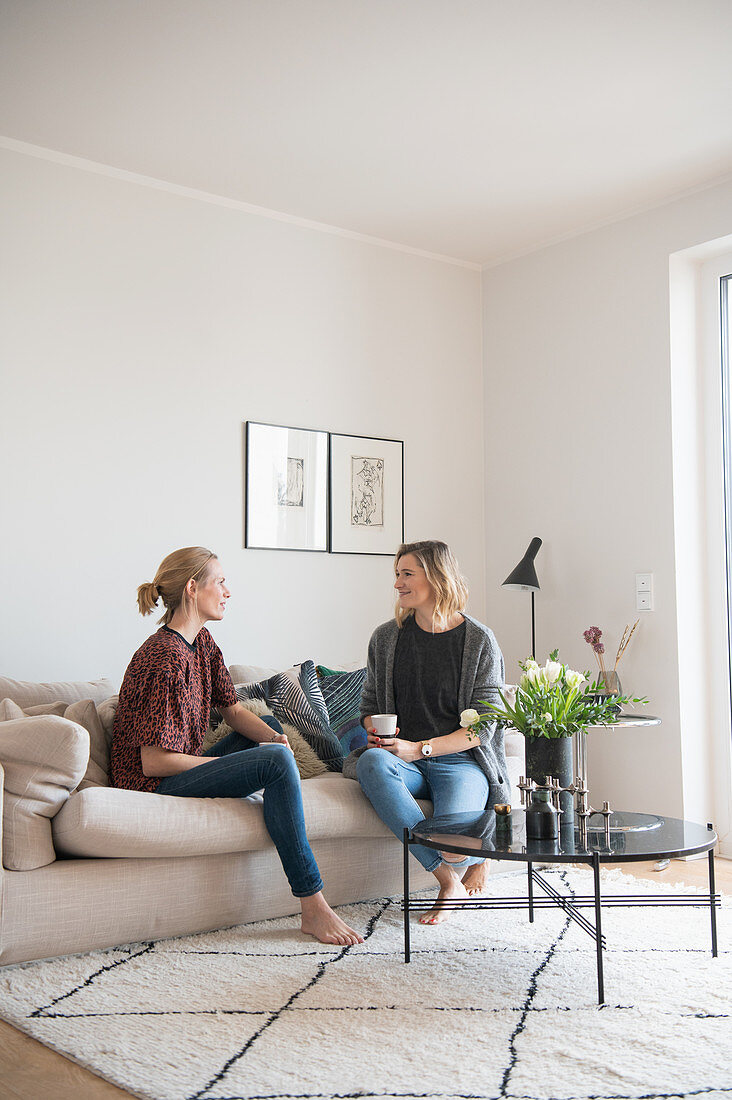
pixel 174 573
pixel 147 597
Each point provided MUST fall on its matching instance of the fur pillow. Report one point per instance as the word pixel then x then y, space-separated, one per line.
pixel 308 762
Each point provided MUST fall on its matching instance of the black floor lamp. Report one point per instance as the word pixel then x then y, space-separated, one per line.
pixel 524 577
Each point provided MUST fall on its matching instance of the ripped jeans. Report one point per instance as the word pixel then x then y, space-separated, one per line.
pixel 454 783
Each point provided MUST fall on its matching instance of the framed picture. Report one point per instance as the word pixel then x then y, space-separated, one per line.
pixel 366 494
pixel 286 505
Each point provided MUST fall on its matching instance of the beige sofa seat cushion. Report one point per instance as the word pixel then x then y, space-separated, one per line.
pixel 27 694
pixel 43 757
pixel 112 822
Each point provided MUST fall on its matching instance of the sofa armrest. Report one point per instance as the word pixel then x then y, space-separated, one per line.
pixel 515 746
pixel 2 795
pixel 44 758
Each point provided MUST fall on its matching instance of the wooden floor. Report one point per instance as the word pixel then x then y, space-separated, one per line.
pixel 30 1071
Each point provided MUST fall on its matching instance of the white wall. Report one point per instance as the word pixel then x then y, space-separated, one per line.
pixel 140 329
pixel 579 445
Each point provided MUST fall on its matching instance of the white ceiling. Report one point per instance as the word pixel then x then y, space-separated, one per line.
pixel 476 129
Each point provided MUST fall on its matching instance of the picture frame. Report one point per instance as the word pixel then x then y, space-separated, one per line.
pixel 286 488
pixel 366 494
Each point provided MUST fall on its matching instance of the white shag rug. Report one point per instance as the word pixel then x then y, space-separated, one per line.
pixel 490 1007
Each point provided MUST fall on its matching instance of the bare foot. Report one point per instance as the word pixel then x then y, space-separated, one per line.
pixel 319 920
pixel 451 888
pixel 475 878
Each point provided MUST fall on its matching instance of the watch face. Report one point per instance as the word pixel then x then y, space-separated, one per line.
pixel 426 750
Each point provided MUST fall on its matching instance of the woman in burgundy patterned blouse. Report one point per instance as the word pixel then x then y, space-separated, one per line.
pixel 163 714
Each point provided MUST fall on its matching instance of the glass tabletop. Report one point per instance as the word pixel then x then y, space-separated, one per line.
pixel 631 836
pixel 634 719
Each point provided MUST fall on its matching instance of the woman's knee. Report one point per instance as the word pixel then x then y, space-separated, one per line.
pixel 281 762
pixel 373 764
pixel 271 721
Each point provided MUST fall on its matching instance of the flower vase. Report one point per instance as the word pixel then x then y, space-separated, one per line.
pixel 609 684
pixel 552 756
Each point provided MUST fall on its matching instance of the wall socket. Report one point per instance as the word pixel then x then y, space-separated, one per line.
pixel 644 591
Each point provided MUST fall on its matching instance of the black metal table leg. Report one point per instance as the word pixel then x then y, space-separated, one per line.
pixel 712 906
pixel 407 954
pixel 531 891
pixel 598 928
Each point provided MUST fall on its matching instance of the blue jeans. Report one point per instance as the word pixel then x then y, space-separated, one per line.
pixel 454 783
pixel 238 768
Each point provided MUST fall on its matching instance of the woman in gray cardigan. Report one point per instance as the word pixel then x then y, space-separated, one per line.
pixel 427 665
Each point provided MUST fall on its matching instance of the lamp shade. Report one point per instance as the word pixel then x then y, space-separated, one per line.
pixel 524 575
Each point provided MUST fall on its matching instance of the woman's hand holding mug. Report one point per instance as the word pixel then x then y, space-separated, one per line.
pixel 382 731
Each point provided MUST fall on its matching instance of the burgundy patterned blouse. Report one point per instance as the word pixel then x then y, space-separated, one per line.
pixel 165 700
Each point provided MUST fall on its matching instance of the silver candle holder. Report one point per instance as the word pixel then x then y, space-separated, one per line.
pixel 579 792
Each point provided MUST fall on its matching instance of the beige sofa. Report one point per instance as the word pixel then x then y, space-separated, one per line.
pixel 88 866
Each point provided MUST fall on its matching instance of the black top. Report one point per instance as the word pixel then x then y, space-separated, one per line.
pixel 427 670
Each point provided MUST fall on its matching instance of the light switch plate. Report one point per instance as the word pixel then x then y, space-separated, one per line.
pixel 644 591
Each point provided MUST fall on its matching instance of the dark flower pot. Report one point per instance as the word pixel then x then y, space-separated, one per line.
pixel 552 756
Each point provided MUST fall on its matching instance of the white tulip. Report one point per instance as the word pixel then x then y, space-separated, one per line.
pixel 552 671
pixel 468 718
pixel 574 679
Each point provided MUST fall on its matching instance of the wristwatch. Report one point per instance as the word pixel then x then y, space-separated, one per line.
pixel 426 748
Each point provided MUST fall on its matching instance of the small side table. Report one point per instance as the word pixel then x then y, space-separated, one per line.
pixel 580 739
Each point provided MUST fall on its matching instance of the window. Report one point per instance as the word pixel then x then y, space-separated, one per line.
pixel 725 343
pixel 701 395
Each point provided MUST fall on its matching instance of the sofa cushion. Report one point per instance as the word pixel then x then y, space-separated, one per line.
pixel 27 694
pixel 43 757
pixel 250 674
pixel 59 709
pixel 107 821
pixel 294 696
pixel 107 711
pixel 85 713
pixel 342 695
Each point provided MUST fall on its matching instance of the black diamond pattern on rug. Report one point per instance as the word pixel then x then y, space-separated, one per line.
pixel 490 1007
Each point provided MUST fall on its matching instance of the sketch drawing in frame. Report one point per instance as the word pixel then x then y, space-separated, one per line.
pixel 286 479
pixel 366 494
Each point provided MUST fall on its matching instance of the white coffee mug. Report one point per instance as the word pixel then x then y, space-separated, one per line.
pixel 384 724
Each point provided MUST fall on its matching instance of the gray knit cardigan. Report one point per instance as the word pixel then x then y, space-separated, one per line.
pixel 481 678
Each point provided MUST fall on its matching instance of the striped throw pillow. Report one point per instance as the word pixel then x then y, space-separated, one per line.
pixel 294 696
pixel 342 695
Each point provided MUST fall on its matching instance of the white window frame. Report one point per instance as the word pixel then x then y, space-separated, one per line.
pixel 700 535
pixel 714 396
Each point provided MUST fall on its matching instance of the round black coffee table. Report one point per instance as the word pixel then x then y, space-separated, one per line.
pixel 626 837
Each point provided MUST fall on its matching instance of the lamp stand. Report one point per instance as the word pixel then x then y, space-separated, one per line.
pixel 533 629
